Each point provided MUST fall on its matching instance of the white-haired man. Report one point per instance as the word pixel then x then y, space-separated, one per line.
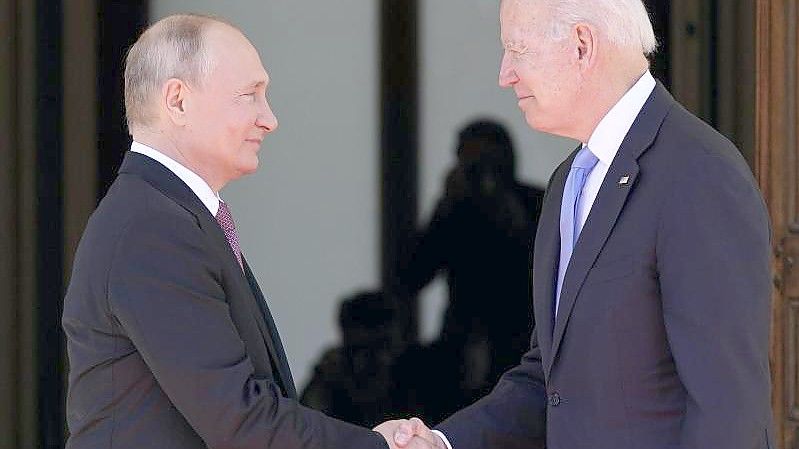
pixel 651 280
pixel 170 341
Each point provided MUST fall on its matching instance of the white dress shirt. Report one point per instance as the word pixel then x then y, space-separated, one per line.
pixel 193 180
pixel 604 143
pixel 608 136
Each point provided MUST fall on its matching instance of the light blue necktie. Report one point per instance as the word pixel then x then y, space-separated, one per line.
pixel 570 225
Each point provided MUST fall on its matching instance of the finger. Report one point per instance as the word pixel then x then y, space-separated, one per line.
pixel 407 429
pixel 418 442
pixel 418 426
pixel 404 433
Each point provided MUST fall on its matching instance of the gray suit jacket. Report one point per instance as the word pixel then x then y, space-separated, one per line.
pixel 170 344
pixel 662 336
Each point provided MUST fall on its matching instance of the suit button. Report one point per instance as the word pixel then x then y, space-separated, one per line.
pixel 554 399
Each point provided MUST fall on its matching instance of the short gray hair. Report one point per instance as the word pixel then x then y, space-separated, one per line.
pixel 625 23
pixel 173 47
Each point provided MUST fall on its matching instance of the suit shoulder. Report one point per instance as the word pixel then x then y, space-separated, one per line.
pixel 159 238
pixel 686 150
pixel 131 213
pixel 689 139
pixel 689 159
pixel 131 199
pixel 131 210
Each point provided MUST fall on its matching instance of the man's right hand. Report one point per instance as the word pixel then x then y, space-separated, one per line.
pixel 409 434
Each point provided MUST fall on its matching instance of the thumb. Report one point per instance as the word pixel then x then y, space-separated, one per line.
pixel 405 432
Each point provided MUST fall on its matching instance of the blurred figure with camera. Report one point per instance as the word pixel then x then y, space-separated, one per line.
pixel 480 237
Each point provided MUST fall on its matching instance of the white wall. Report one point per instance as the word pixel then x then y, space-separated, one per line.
pixel 308 220
pixel 460 56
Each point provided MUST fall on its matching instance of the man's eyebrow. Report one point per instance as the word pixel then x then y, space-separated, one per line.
pixel 256 84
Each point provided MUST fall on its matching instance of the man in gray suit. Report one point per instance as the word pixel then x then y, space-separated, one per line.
pixel 170 341
pixel 651 279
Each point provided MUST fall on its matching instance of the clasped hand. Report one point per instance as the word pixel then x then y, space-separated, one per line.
pixel 409 434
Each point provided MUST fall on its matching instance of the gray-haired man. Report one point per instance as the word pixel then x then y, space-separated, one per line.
pixel 651 280
pixel 171 344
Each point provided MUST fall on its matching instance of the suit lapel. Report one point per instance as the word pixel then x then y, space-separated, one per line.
pixel 608 205
pixel 545 262
pixel 271 336
pixel 255 303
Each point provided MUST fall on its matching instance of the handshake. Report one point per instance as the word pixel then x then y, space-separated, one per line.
pixel 409 433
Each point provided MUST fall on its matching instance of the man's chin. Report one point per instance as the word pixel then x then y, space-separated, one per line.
pixel 251 170
pixel 250 167
pixel 533 121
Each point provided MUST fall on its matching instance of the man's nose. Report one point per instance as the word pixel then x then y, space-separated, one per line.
pixel 266 119
pixel 507 75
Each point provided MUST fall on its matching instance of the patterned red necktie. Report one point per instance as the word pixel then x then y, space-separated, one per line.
pixel 225 220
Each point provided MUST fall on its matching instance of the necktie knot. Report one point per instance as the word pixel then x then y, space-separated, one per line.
pixel 585 160
pixel 225 220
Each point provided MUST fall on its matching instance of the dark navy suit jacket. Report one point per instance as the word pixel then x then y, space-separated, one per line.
pixel 661 341
pixel 170 343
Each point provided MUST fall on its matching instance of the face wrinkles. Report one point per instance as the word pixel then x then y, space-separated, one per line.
pixel 252 91
pixel 536 68
pixel 516 48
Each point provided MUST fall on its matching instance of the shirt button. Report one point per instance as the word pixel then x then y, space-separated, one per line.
pixel 554 399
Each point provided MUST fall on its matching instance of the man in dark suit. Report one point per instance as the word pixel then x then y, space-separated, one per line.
pixel 651 268
pixel 170 340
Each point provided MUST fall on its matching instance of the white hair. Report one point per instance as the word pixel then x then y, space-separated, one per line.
pixel 173 47
pixel 625 23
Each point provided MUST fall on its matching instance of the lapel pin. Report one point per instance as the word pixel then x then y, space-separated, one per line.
pixel 624 180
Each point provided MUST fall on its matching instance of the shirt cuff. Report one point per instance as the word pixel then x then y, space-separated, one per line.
pixel 443 438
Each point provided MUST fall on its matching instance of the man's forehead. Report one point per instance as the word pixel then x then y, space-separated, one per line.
pixel 227 43
pixel 237 61
pixel 519 19
pixel 520 9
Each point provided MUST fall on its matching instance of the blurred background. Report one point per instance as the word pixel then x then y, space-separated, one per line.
pixel 378 192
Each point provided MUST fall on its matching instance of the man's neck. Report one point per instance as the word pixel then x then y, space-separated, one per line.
pixel 604 97
pixel 166 145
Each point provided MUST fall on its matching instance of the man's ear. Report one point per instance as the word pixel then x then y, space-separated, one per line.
pixel 586 39
pixel 173 99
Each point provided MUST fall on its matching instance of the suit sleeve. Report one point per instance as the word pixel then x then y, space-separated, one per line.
pixel 713 260
pixel 512 416
pixel 164 289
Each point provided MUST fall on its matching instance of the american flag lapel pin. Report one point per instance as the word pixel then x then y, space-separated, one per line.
pixel 624 180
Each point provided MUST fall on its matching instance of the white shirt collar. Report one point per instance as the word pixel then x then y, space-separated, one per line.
pixel 194 181
pixel 611 130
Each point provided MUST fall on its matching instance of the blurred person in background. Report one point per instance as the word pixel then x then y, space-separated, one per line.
pixel 355 381
pixel 480 237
